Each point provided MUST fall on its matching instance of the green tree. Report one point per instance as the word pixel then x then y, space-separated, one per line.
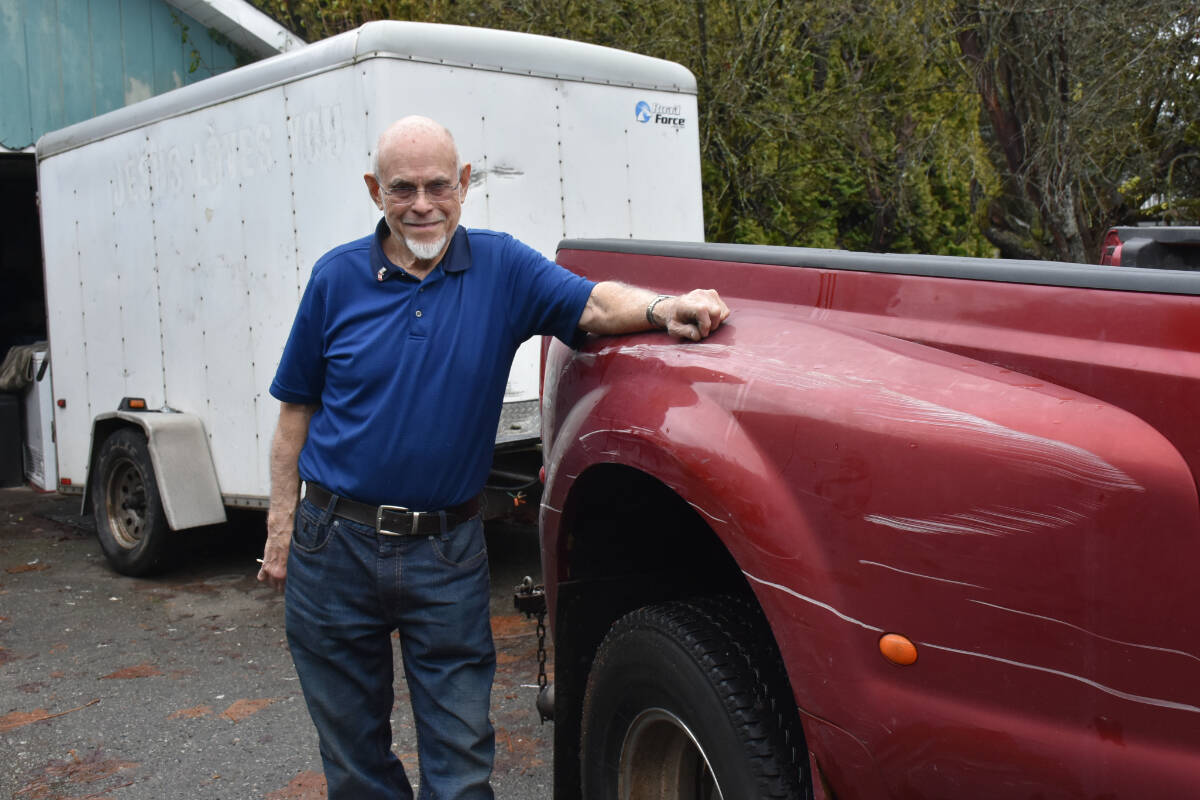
pixel 1090 115
pixel 946 126
pixel 892 140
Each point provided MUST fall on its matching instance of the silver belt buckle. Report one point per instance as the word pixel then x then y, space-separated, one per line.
pixel 416 516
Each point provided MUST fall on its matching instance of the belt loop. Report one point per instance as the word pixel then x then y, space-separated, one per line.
pixel 327 512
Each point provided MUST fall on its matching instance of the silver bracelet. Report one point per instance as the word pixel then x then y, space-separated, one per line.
pixel 650 310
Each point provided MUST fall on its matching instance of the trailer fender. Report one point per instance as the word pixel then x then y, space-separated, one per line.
pixel 183 465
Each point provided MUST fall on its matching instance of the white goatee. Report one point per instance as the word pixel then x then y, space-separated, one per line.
pixel 425 251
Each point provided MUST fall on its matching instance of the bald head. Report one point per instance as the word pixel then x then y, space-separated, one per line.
pixel 419 184
pixel 414 132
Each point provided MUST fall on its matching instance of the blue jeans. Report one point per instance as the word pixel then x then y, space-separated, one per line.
pixel 348 589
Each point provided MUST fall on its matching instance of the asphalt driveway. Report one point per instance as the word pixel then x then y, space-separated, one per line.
pixel 181 686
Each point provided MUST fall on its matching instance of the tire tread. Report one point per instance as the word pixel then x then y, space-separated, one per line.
pixel 729 640
pixel 154 554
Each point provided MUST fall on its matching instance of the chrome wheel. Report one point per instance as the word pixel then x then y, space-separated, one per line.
pixel 662 760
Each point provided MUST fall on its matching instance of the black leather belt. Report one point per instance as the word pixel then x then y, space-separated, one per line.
pixel 393 520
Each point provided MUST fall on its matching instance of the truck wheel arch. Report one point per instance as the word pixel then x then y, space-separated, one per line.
pixel 589 482
pixel 182 462
pixel 616 566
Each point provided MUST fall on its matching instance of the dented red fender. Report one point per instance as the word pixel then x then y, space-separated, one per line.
pixel 1032 546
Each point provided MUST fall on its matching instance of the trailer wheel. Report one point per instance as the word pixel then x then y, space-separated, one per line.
pixel 688 700
pixel 130 522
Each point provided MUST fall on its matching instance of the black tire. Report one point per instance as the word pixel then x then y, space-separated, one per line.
pixel 689 700
pixel 130 522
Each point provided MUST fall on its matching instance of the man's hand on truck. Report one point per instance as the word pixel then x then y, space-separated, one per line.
pixel 616 308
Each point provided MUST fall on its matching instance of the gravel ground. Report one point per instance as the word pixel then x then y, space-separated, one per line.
pixel 181 686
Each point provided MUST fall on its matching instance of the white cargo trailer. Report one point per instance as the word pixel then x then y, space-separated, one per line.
pixel 179 234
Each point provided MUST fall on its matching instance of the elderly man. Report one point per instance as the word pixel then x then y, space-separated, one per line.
pixel 391 385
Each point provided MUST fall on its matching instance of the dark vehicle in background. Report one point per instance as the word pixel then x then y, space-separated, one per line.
pixel 1156 247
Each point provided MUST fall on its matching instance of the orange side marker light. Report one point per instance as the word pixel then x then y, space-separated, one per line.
pixel 898 649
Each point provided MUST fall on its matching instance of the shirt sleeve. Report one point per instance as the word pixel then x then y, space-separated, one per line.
pixel 546 299
pixel 300 377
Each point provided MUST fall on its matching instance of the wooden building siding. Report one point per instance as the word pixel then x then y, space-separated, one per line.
pixel 64 61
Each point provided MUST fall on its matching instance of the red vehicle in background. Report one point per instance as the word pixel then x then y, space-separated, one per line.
pixel 904 527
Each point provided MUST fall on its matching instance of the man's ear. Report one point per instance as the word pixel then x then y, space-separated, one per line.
pixel 464 180
pixel 373 188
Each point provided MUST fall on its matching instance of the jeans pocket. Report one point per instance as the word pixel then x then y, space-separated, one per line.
pixel 310 534
pixel 462 546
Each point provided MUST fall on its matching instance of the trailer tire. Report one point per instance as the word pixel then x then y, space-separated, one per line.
pixel 687 699
pixel 130 522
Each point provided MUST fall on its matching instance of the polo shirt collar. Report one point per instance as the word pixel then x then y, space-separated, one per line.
pixel 456 259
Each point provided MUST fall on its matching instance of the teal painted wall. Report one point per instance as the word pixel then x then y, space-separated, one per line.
pixel 64 61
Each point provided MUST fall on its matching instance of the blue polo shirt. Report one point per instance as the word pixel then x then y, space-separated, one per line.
pixel 409 375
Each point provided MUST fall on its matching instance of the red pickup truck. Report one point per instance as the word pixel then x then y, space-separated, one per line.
pixel 904 527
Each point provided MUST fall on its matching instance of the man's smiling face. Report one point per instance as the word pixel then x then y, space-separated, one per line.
pixel 417 154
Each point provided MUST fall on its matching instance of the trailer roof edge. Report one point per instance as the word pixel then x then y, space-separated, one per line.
pixel 452 45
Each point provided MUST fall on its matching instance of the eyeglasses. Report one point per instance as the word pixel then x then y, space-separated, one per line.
pixel 436 192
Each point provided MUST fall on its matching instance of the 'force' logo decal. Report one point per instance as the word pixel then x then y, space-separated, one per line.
pixel 657 113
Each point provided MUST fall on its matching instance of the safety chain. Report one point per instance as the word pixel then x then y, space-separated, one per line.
pixel 541 650
pixel 531 601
